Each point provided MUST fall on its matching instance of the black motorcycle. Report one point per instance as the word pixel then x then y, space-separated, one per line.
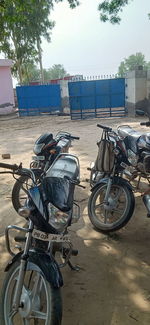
pixel 111 203
pixel 46 149
pixel 125 152
pixel 31 288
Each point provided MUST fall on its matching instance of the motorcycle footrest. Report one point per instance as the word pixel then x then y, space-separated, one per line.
pixel 74 252
pixel 20 239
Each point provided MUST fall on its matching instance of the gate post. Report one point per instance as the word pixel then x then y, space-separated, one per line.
pixel 136 90
pixel 64 96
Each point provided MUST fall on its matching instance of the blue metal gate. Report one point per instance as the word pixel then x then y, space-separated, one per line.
pixel 97 98
pixel 35 100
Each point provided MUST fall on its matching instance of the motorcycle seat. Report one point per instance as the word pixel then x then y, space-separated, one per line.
pixel 130 137
pixel 127 131
pixel 64 166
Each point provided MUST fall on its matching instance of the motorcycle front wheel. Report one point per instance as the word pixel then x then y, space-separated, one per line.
pixel 20 188
pixel 114 215
pixel 40 302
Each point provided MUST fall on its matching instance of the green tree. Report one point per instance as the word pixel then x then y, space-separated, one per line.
pixel 32 73
pixel 21 29
pixel 22 25
pixel 39 25
pixel 110 10
pixel 57 71
pixel 132 62
pixel 4 3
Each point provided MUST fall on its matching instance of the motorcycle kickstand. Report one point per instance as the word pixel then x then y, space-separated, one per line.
pixel 72 267
pixel 137 187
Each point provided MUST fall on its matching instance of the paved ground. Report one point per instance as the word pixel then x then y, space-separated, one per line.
pixel 113 285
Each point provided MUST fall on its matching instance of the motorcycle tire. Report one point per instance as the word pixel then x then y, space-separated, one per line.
pixel 108 222
pixel 20 187
pixel 45 300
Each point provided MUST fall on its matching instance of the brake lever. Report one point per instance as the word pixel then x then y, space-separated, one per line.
pixel 77 183
pixel 20 166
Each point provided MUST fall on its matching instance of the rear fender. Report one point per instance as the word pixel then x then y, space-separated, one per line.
pixel 116 180
pixel 44 264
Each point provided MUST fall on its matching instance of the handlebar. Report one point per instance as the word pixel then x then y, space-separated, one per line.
pixel 74 138
pixel 60 135
pixel 69 136
pixel 9 166
pixel 106 128
pixel 18 170
pixel 145 123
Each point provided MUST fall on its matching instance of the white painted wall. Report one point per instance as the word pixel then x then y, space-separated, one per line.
pixel 6 87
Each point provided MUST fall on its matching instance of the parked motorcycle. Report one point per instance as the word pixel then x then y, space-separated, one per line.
pixel 137 146
pixel 111 203
pixel 125 152
pixel 31 289
pixel 46 149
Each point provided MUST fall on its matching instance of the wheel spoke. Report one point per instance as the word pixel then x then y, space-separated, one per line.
pixel 26 321
pixel 105 216
pixel 24 189
pixel 36 287
pixel 39 314
pixel 12 314
pixel 99 205
pixel 118 194
pixel 117 210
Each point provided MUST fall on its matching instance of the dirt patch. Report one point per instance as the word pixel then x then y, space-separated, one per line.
pixel 112 286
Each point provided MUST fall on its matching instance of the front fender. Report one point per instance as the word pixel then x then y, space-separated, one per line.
pixel 116 180
pixel 43 263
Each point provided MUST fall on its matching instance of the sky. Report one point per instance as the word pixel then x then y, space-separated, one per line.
pixel 85 45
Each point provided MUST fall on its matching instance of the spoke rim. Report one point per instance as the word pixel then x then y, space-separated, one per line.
pixel 106 216
pixel 36 312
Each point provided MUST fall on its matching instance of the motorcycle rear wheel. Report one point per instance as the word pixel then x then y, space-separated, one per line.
pixel 19 191
pixel 117 213
pixel 40 302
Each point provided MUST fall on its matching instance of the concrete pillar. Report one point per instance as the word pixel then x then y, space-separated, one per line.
pixel 148 84
pixel 65 96
pixel 130 93
pixel 136 91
